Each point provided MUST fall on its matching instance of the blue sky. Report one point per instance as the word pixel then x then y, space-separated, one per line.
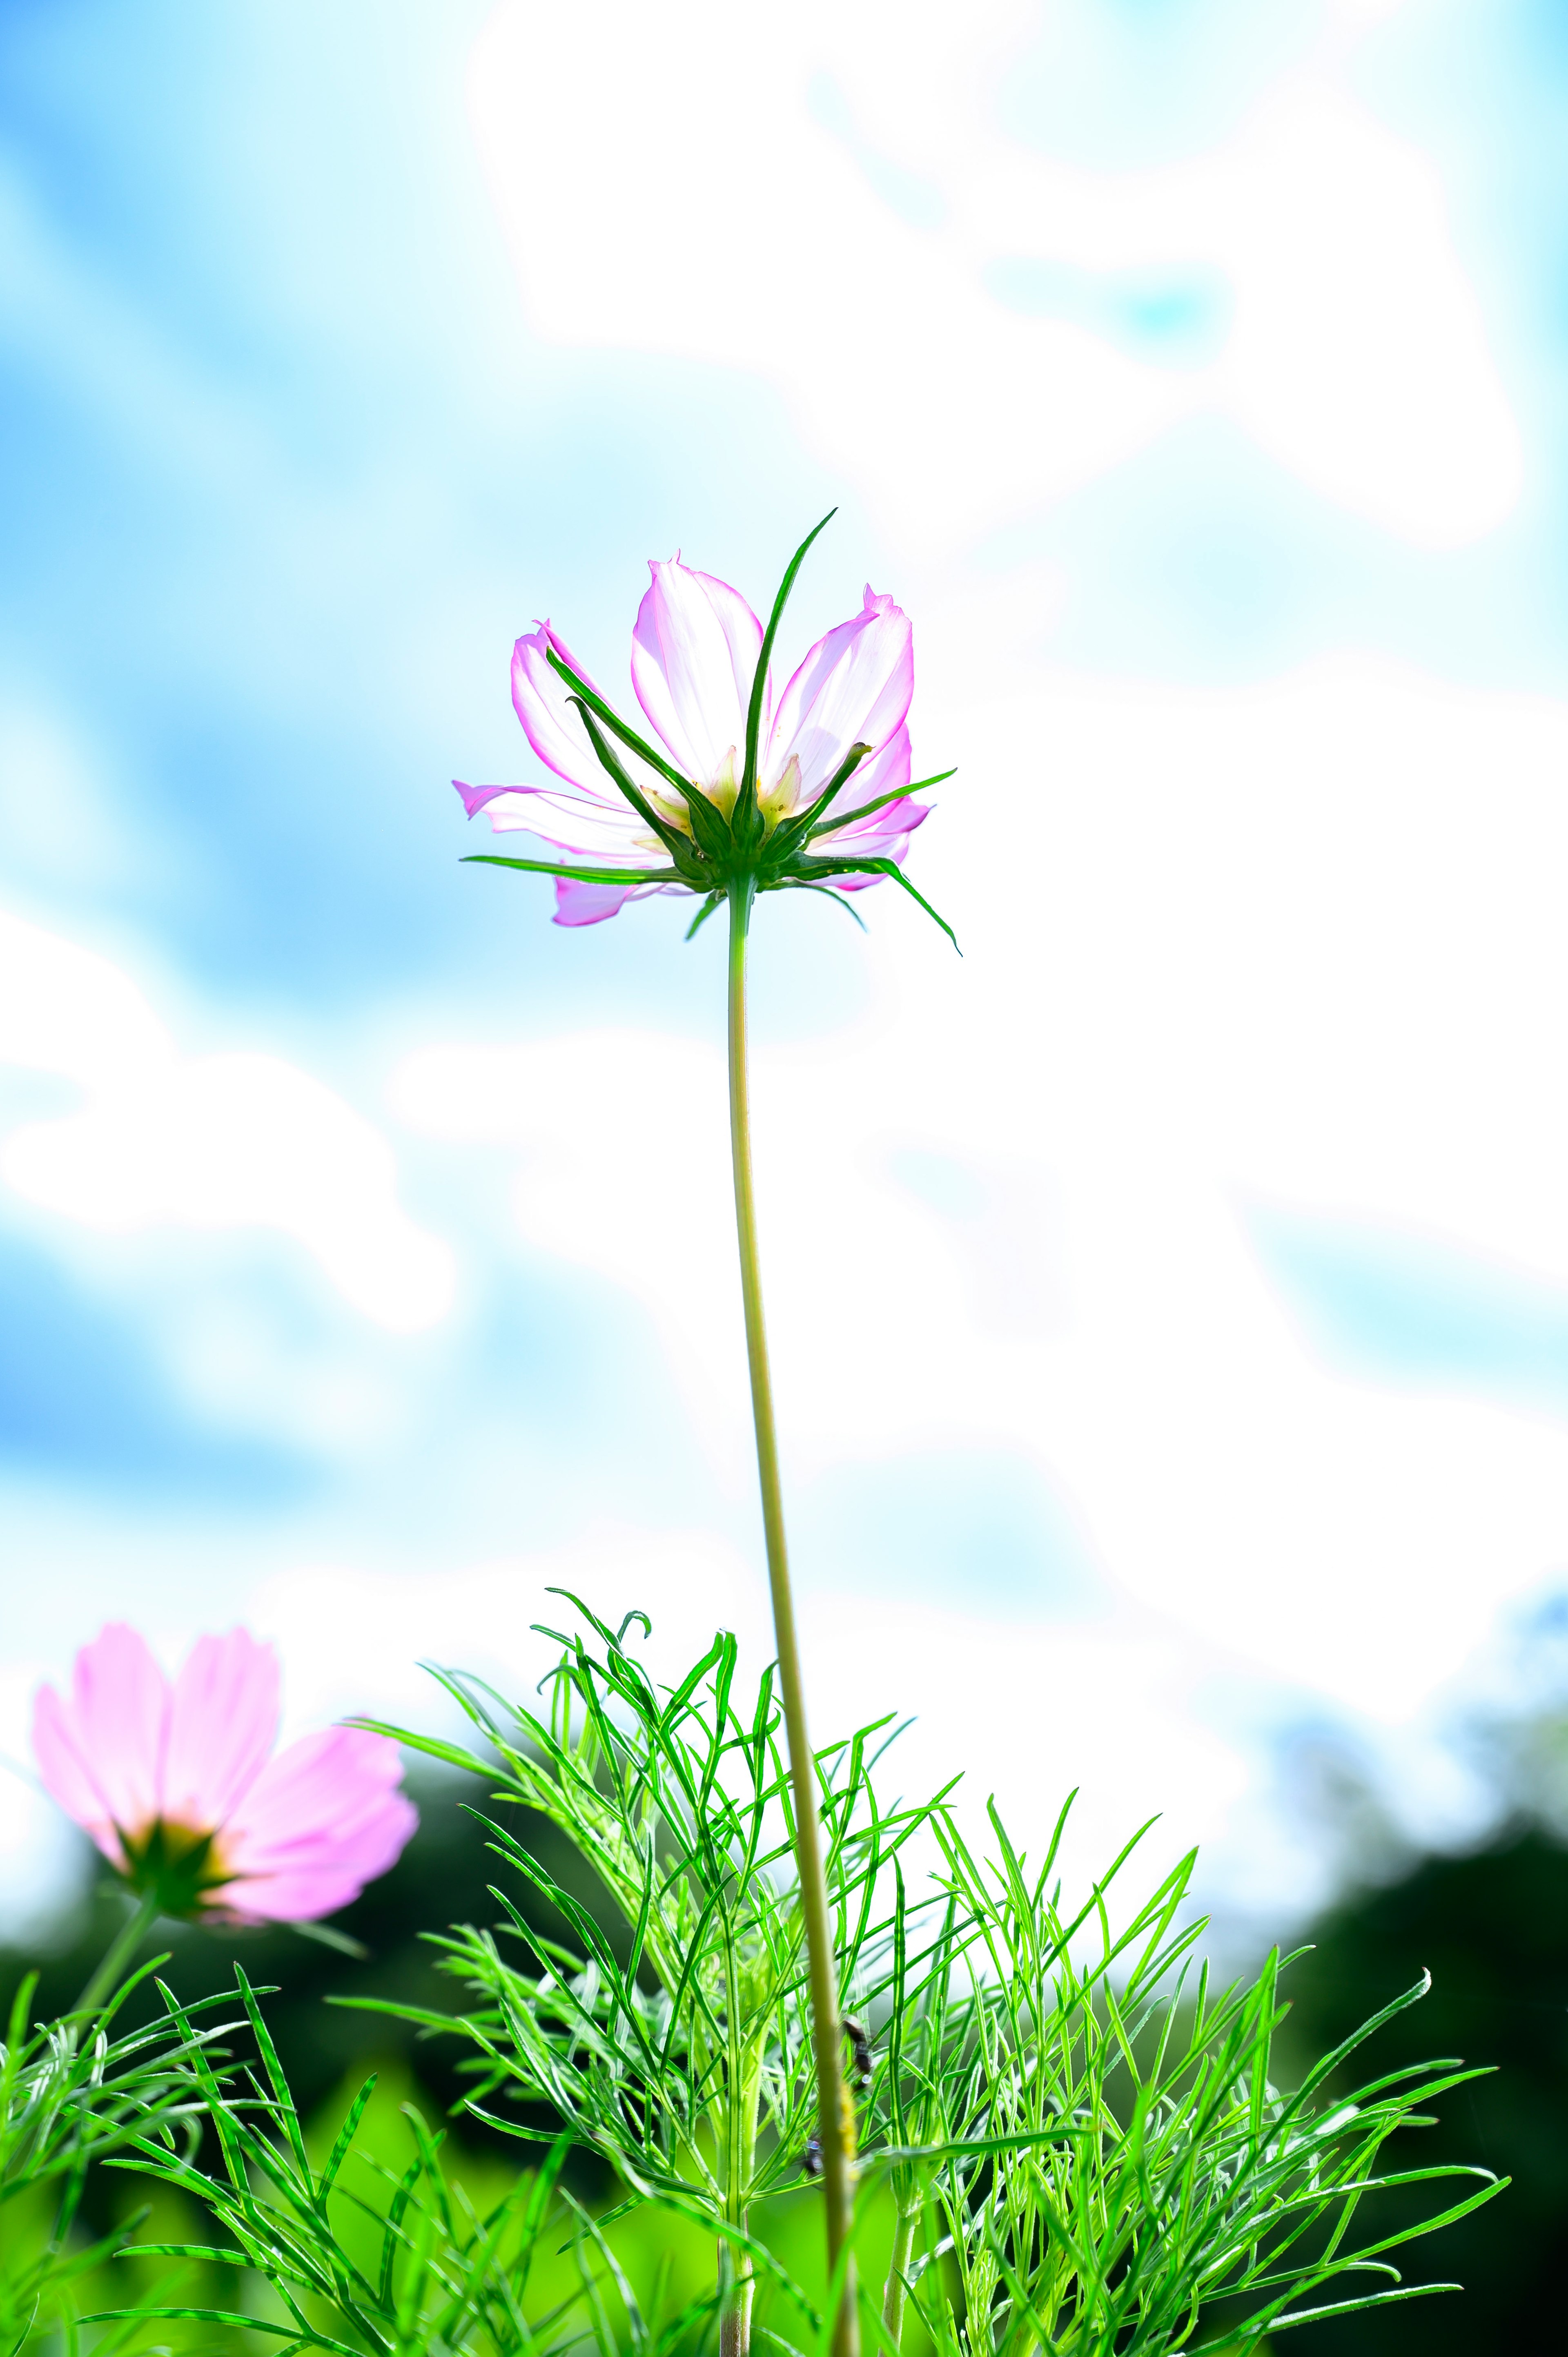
pixel 335 347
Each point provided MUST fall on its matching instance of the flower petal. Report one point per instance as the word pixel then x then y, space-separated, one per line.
pixel 68 1778
pixel 589 904
pixel 101 1752
pixel 320 1821
pixel 571 822
pixel 694 659
pixel 877 775
pixel 223 1723
pixel 884 836
pixel 854 688
pixel 552 726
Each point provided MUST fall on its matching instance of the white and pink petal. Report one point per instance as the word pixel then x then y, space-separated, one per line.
pixel 589 904
pixel 884 836
pixel 694 658
pixel 553 725
pixel 597 832
pixel 854 688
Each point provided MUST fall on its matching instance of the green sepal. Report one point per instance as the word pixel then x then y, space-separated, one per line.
pixel 681 851
pixel 714 900
pixel 884 867
pixel 613 721
pixel 747 818
pixel 710 829
pixel 797 884
pixel 899 794
pixel 577 875
pixel 793 832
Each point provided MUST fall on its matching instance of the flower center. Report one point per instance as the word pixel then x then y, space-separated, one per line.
pixel 181 1863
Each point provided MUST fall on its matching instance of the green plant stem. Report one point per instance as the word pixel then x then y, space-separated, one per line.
pixel 895 2292
pixel 836 2122
pixel 139 1922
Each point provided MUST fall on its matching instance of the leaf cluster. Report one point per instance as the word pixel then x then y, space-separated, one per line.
pixel 680 2053
pixel 73 2092
pixel 1081 2133
pixel 1118 2168
pixel 1079 2139
pixel 365 2260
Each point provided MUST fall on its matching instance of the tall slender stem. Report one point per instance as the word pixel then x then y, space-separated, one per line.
pixel 836 2121
pixel 122 1948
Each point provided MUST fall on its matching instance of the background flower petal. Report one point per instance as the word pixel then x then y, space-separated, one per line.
pixel 854 686
pixel 67 1775
pixel 321 1819
pixel 222 1725
pixel 101 1751
pixel 694 658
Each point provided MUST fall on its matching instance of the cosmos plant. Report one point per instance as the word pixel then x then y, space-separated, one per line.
pixel 1036 2122
pixel 806 792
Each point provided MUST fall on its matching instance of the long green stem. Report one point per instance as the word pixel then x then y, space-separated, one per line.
pixel 139 1922
pixel 836 2121
pixel 895 2291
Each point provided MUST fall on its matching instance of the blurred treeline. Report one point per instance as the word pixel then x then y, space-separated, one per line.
pixel 1491 1927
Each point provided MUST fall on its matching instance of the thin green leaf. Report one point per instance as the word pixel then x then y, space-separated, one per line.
pixel 747 799
pixel 884 867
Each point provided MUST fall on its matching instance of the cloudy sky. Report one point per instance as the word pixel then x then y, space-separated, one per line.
pixel 1171 1297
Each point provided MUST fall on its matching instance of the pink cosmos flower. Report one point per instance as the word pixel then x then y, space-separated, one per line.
pixel 179 1787
pixel 694 657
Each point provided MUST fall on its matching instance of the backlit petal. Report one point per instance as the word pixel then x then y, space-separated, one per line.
pixel 223 1722
pixel 877 775
pixel 552 726
pixel 321 1819
pixel 101 1750
pixel 571 822
pixel 854 688
pixel 590 904
pixel 884 836
pixel 67 1775
pixel 694 658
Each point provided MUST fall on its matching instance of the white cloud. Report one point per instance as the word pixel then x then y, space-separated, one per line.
pixel 351 1642
pixel 1356 355
pixel 1302 943
pixel 215 1141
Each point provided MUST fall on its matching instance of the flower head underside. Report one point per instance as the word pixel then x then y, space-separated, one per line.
pixel 810 789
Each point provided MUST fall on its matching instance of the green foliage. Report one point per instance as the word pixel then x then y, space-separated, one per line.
pixel 1068 2138
pixel 73 2092
pixel 1084 2141
pixel 1153 2174
pixel 684 2060
pixel 365 2259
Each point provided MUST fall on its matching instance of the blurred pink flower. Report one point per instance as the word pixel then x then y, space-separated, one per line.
pixel 179 1788
pixel 694 653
